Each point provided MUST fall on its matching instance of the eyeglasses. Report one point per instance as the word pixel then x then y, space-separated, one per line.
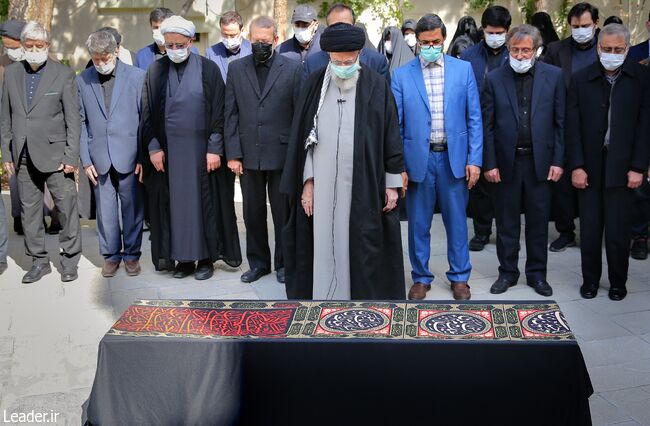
pixel 173 46
pixel 345 63
pixel 616 50
pixel 523 50
pixel 434 43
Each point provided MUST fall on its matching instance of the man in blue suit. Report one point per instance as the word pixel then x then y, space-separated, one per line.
pixel 523 124
pixel 110 94
pixel 641 51
pixel 232 45
pixel 155 50
pixel 375 61
pixel 440 121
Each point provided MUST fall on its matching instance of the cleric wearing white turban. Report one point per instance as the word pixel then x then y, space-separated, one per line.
pixel 193 221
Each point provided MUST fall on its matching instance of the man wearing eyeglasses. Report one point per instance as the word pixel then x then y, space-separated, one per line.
pixel 523 125
pixel 189 191
pixel 607 155
pixel 440 120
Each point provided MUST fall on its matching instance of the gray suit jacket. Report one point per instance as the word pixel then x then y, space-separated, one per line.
pixel 50 127
pixel 110 137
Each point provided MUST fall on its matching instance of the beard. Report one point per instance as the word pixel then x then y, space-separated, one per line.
pixel 345 84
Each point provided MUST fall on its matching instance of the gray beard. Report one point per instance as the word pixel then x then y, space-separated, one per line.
pixel 346 84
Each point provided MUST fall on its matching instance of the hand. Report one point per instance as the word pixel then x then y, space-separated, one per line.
pixel 9 168
pixel 67 168
pixel 91 173
pixel 214 162
pixel 307 198
pixel 158 160
pixel 139 172
pixel 579 178
pixel 555 173
pixel 634 179
pixel 405 184
pixel 236 166
pixel 391 199
pixel 472 174
pixel 492 175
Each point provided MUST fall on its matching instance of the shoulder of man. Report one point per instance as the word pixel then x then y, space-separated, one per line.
pixel 471 52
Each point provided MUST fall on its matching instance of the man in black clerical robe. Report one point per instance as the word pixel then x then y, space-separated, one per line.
pixel 190 194
pixel 376 269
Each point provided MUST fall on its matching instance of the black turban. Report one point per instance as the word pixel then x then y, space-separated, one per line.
pixel 342 37
pixel 12 28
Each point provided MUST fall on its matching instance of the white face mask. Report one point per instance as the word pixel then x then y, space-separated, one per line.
pixel 106 68
pixel 612 61
pixel 232 43
pixel 36 58
pixel 522 66
pixel 16 55
pixel 178 55
pixel 303 35
pixel 582 35
pixel 158 38
pixel 388 46
pixel 410 40
pixel 495 41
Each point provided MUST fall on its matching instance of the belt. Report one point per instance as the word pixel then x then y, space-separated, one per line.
pixel 438 147
pixel 523 150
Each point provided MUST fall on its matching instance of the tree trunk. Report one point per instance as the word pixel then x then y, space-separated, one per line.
pixel 280 17
pixel 40 11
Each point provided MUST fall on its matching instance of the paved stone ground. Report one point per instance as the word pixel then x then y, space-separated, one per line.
pixel 49 331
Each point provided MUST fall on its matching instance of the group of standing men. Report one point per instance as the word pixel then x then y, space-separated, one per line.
pixel 319 125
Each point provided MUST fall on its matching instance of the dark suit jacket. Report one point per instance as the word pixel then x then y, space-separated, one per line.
pixel 639 52
pixel 586 123
pixel 477 56
pixel 560 54
pixel 289 48
pixel 501 120
pixel 258 122
pixel 50 127
pixel 370 58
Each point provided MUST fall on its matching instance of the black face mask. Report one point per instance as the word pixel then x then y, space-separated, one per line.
pixel 262 51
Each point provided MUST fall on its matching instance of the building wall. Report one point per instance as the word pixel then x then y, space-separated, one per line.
pixel 75 19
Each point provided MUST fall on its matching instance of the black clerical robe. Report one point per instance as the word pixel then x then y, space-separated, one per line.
pixel 377 265
pixel 216 188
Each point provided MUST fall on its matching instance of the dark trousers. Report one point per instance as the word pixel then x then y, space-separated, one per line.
pixel 254 185
pixel 564 205
pixel 481 206
pixel 31 185
pixel 605 210
pixel 641 211
pixel 523 190
pixel 117 196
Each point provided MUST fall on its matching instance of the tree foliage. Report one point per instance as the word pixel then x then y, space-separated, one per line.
pixel 386 11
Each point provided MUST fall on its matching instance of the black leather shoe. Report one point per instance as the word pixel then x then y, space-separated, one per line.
pixel 18 226
pixel 501 285
pixel 617 293
pixel 478 242
pixel 183 269
pixel 588 291
pixel 36 273
pixel 69 274
pixel 254 274
pixel 562 242
pixel 204 270
pixel 166 265
pixel 639 249
pixel 541 287
pixel 279 274
pixel 54 228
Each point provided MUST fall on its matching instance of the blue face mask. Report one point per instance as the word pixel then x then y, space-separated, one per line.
pixel 430 53
pixel 345 72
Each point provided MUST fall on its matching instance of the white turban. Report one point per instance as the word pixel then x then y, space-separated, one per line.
pixel 179 25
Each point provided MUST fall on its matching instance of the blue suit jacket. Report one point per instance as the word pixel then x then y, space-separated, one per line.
pixel 501 119
pixel 217 53
pixel 370 58
pixel 639 52
pixel 110 137
pixel 477 56
pixel 462 111
pixel 147 55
